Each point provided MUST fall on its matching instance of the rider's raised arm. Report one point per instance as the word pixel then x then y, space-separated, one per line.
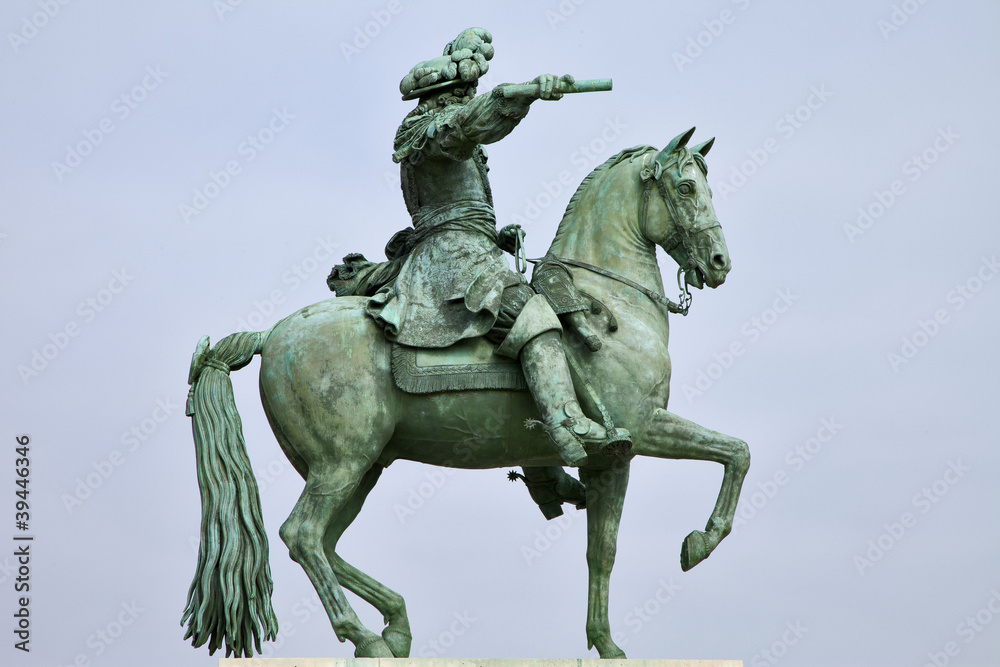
pixel 456 130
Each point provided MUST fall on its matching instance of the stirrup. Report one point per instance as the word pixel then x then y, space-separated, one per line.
pixel 616 441
pixel 571 434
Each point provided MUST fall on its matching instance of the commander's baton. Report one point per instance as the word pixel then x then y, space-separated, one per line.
pixel 532 89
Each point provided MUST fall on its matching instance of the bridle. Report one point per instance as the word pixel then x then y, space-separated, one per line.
pixel 679 235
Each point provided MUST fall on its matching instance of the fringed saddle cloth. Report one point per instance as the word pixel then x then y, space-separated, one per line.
pixel 468 364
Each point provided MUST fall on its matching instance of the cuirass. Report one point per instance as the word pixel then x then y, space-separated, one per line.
pixel 443 181
pixel 437 181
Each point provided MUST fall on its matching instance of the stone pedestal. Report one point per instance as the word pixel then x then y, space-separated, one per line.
pixel 464 662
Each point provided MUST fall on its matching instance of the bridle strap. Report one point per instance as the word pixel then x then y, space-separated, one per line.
pixel 678 233
pixel 662 300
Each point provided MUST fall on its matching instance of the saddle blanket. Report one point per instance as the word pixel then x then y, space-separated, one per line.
pixel 468 364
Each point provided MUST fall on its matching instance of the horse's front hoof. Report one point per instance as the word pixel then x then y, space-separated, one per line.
pixel 607 649
pixel 375 647
pixel 614 653
pixel 694 550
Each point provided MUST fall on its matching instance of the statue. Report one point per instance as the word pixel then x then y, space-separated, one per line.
pixel 413 354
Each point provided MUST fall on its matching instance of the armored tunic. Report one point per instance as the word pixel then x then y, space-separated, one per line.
pixel 451 284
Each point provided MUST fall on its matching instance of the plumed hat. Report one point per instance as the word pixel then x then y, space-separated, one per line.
pixel 463 61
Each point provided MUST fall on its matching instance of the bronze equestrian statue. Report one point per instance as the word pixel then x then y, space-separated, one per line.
pixel 443 355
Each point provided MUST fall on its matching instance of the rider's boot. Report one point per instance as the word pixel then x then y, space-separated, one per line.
pixel 547 374
pixel 536 340
pixel 551 486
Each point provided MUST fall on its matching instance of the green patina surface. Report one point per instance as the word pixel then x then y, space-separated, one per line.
pixel 328 388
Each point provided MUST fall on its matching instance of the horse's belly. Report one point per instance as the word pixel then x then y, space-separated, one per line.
pixel 469 429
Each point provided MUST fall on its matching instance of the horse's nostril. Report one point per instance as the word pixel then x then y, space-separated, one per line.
pixel 719 260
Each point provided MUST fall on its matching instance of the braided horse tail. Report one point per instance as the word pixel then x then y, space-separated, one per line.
pixel 230 598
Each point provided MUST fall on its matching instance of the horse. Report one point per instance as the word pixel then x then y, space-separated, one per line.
pixel 330 399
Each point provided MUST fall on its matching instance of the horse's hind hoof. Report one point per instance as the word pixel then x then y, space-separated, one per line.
pixel 398 641
pixel 693 551
pixel 375 647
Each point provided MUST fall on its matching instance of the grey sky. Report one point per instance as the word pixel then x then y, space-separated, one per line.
pixel 104 274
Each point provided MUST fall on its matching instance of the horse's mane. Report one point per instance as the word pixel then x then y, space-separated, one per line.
pixel 612 161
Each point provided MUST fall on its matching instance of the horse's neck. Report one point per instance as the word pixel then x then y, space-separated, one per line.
pixel 603 230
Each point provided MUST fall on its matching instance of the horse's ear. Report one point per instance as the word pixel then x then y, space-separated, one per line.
pixel 704 147
pixel 680 141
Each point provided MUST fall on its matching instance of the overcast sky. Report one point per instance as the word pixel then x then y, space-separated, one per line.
pixel 171 170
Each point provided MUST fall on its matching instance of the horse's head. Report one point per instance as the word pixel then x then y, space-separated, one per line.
pixel 689 232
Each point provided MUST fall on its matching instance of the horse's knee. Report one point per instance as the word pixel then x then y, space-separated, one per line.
pixel 741 456
pixel 296 536
pixel 287 533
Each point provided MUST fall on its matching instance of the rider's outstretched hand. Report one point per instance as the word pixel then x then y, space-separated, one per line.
pixel 507 238
pixel 552 87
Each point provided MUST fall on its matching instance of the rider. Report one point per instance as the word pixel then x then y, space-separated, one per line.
pixel 455 282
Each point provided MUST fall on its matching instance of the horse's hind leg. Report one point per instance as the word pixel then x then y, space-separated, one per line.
pixel 605 497
pixel 327 491
pixel 671 437
pixel 397 631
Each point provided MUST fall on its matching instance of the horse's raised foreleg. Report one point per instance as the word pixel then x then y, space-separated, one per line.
pixel 671 437
pixel 397 630
pixel 605 496
pixel 326 493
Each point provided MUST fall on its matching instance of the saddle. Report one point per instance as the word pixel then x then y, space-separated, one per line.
pixel 468 364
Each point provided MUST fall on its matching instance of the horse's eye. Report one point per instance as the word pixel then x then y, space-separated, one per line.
pixel 685 188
